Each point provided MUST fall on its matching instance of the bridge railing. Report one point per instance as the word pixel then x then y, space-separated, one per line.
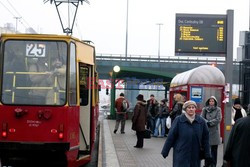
pixel 169 59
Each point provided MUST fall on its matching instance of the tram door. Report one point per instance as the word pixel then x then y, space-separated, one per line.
pixel 85 107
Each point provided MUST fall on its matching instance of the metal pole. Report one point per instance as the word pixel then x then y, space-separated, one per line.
pixel 159 40
pixel 68 18
pixel 126 45
pixel 229 76
pixel 16 21
pixel 112 96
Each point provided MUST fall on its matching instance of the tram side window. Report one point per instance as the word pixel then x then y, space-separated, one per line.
pixel 84 91
pixel 72 78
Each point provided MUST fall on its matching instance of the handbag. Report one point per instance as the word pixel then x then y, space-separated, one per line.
pixel 168 122
pixel 147 134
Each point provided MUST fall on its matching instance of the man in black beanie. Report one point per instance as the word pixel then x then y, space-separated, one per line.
pixel 237 111
pixel 237 149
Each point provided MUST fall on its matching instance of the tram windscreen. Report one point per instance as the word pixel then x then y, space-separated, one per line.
pixel 34 72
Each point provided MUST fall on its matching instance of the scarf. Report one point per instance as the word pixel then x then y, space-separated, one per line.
pixel 238 114
pixel 211 108
pixel 190 118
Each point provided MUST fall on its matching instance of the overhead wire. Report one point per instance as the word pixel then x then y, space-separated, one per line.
pixel 19 15
pixel 7 9
pixel 15 13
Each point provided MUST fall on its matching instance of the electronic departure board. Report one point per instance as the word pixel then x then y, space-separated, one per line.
pixel 198 34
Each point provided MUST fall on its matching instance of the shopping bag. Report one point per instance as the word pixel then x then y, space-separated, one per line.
pixel 147 134
pixel 168 122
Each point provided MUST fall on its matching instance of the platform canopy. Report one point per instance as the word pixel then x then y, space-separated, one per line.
pixel 205 74
pixel 143 73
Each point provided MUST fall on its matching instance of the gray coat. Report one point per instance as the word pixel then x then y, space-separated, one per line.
pixel 212 115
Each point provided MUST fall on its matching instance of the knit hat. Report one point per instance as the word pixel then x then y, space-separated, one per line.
pixel 187 103
pixel 140 97
pixel 164 100
pixel 237 101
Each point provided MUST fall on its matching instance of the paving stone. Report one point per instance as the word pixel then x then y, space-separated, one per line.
pixel 148 156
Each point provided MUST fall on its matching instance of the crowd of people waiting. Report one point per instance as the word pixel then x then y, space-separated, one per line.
pixel 190 132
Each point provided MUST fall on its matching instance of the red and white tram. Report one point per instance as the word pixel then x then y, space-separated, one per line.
pixel 48 103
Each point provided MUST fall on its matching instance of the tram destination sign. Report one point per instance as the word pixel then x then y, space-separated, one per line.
pixel 200 34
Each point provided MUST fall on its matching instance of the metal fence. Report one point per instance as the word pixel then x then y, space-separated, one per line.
pixel 168 59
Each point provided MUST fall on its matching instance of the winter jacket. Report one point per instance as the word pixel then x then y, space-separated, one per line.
pixel 118 106
pixel 176 110
pixel 152 107
pixel 140 116
pixel 237 149
pixel 118 103
pixel 243 112
pixel 213 117
pixel 185 138
pixel 163 111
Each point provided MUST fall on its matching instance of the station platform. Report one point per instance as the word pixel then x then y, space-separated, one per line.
pixel 117 150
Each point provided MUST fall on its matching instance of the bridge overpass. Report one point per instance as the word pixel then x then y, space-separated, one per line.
pixel 171 64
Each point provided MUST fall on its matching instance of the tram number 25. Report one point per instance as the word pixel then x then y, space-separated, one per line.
pixel 35 50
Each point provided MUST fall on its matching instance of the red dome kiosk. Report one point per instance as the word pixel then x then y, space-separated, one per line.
pixel 199 84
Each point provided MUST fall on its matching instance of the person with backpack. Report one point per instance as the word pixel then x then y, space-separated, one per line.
pixel 121 107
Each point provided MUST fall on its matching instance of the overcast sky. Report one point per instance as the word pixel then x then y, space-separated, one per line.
pixel 104 21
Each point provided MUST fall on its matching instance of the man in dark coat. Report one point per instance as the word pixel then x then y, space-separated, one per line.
pixel 139 120
pixel 153 108
pixel 237 150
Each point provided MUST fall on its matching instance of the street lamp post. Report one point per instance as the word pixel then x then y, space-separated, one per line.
pixel 116 69
pixel 17 18
pixel 159 40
